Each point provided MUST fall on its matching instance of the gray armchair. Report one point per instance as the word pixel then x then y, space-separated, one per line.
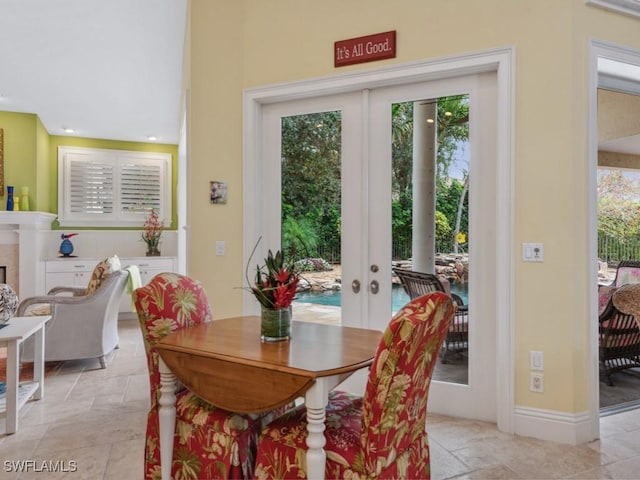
pixel 81 325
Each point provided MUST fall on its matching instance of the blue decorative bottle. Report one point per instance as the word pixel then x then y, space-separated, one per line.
pixel 66 247
pixel 10 198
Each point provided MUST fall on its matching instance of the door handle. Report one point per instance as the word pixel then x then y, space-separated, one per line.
pixel 374 287
pixel 355 286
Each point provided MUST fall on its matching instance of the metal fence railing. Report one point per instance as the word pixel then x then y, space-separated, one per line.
pixel 400 251
pixel 612 249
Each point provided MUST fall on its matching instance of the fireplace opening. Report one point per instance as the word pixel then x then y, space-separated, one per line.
pixel 3 274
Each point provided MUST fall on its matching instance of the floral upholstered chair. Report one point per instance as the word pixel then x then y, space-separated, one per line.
pixel 208 442
pixel 382 435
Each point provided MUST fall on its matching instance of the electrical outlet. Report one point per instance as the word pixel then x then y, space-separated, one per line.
pixel 221 248
pixel 537 382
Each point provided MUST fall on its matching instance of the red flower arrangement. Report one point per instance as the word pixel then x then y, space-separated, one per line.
pixel 275 282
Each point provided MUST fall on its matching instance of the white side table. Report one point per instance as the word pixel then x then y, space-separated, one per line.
pixel 12 335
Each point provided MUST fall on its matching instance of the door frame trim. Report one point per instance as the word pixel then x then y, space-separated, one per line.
pixel 620 53
pixel 500 60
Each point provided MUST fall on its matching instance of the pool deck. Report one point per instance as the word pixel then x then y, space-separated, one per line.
pixel 312 312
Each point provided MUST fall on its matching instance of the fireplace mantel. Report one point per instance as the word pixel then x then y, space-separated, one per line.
pixel 27 230
pixel 30 220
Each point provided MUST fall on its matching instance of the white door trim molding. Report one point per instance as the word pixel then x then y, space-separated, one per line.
pixel 502 61
pixel 597 49
pixel 626 7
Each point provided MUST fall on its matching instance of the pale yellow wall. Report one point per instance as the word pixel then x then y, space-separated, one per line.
pixel 215 150
pixel 258 42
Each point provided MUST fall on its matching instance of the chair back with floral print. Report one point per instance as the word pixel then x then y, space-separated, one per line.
pixel 628 271
pixel 395 401
pixel 169 302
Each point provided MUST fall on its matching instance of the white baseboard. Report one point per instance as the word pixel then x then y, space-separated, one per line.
pixel 550 425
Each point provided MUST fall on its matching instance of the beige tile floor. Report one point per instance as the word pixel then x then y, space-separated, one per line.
pixel 96 419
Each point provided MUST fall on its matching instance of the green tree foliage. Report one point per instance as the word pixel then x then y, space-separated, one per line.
pixel 402 151
pixel 618 206
pixel 311 177
pixel 299 238
pixel 401 225
pixel 311 187
pixel 443 230
pixel 448 192
pixel 453 128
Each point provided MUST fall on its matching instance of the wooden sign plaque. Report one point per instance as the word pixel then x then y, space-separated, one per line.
pixel 364 49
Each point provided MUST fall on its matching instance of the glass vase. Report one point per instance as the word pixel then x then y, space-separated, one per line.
pixel 275 324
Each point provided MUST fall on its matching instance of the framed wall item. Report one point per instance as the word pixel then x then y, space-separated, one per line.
pixel 218 192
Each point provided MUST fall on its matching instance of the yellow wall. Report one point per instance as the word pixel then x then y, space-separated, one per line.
pixel 235 45
pixel 215 150
pixel 20 154
pixel 31 159
pixel 42 188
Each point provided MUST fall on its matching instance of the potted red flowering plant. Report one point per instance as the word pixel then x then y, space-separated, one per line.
pixel 275 288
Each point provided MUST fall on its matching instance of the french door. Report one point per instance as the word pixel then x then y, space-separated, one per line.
pixel 363 126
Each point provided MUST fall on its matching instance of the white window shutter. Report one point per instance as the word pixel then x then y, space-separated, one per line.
pixel 112 188
pixel 91 186
pixel 140 187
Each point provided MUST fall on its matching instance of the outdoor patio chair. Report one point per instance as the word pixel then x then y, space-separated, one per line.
pixel 627 272
pixel 380 435
pixel 419 283
pixel 619 334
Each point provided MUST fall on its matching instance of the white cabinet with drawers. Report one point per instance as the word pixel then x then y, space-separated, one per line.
pixel 151 266
pixel 68 272
pixel 77 272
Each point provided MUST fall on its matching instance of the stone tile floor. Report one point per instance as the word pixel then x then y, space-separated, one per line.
pixel 96 419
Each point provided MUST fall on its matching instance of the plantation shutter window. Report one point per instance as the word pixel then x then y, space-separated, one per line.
pixel 140 187
pixel 90 186
pixel 111 187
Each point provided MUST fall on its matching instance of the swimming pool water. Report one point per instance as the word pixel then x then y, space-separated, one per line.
pixel 398 296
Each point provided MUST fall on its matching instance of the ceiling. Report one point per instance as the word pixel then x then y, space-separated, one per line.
pixel 113 68
pixel 108 69
pixel 618 107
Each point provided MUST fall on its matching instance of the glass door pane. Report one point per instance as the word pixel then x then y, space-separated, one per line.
pixel 430 211
pixel 311 212
pixel 312 200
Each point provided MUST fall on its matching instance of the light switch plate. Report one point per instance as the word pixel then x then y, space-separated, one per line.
pixel 533 252
pixel 536 360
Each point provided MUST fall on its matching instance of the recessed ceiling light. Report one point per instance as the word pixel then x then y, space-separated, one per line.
pixel 68 130
pixel 152 137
